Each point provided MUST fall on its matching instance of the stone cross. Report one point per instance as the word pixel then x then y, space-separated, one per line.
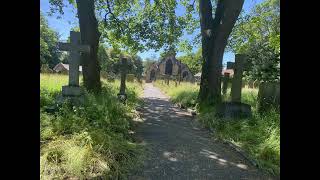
pixel 237 77
pixel 235 108
pixel 124 66
pixel 75 48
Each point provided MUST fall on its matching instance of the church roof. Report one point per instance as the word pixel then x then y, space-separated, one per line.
pixel 65 66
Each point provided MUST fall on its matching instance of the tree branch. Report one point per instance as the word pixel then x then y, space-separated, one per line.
pixel 113 16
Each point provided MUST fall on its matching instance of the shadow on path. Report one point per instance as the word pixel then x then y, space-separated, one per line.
pixel 177 148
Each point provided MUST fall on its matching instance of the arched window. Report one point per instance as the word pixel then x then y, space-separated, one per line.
pixel 168 68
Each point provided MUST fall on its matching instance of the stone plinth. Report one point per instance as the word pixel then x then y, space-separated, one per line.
pixel 71 91
pixel 233 110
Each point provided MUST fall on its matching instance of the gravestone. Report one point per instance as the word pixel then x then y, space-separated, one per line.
pixel 235 108
pixel 73 90
pixel 225 83
pixel 124 66
pixel 268 96
pixel 130 77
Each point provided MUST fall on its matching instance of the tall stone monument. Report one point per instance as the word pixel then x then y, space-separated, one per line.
pixel 73 90
pixel 235 108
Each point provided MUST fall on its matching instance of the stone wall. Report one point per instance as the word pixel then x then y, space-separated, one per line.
pixel 160 69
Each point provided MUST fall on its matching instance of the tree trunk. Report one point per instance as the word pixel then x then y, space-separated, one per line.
pixel 215 33
pixel 89 36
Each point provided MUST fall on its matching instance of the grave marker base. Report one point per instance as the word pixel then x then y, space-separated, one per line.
pixel 71 91
pixel 233 110
pixel 74 94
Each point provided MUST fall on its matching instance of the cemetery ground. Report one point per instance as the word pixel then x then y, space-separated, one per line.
pixel 88 141
pixel 95 140
pixel 258 136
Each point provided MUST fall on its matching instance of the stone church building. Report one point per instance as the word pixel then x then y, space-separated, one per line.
pixel 168 66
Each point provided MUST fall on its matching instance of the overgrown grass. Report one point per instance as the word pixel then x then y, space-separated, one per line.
pixel 259 136
pixel 184 94
pixel 88 141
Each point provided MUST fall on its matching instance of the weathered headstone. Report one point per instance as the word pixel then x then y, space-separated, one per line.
pixel 268 96
pixel 124 66
pixel 73 90
pixel 225 83
pixel 256 84
pixel 237 78
pixel 130 77
pixel 235 109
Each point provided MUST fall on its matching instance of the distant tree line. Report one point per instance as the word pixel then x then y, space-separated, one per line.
pixel 49 53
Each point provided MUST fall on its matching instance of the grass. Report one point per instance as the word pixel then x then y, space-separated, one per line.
pixel 184 94
pixel 258 136
pixel 88 141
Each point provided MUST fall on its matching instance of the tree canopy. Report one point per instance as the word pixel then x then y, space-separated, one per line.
pixel 109 59
pixel 193 61
pixel 137 25
pixel 49 53
pixel 257 34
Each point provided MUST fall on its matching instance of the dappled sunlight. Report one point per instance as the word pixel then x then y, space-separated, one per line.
pixel 176 144
pixel 169 156
pixel 221 161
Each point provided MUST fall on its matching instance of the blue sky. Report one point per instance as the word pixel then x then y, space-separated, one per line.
pixel 68 20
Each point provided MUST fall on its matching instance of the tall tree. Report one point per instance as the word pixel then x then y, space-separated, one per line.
pixel 130 25
pixel 89 35
pixel 215 33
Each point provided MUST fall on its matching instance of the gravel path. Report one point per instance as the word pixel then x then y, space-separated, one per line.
pixel 177 148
